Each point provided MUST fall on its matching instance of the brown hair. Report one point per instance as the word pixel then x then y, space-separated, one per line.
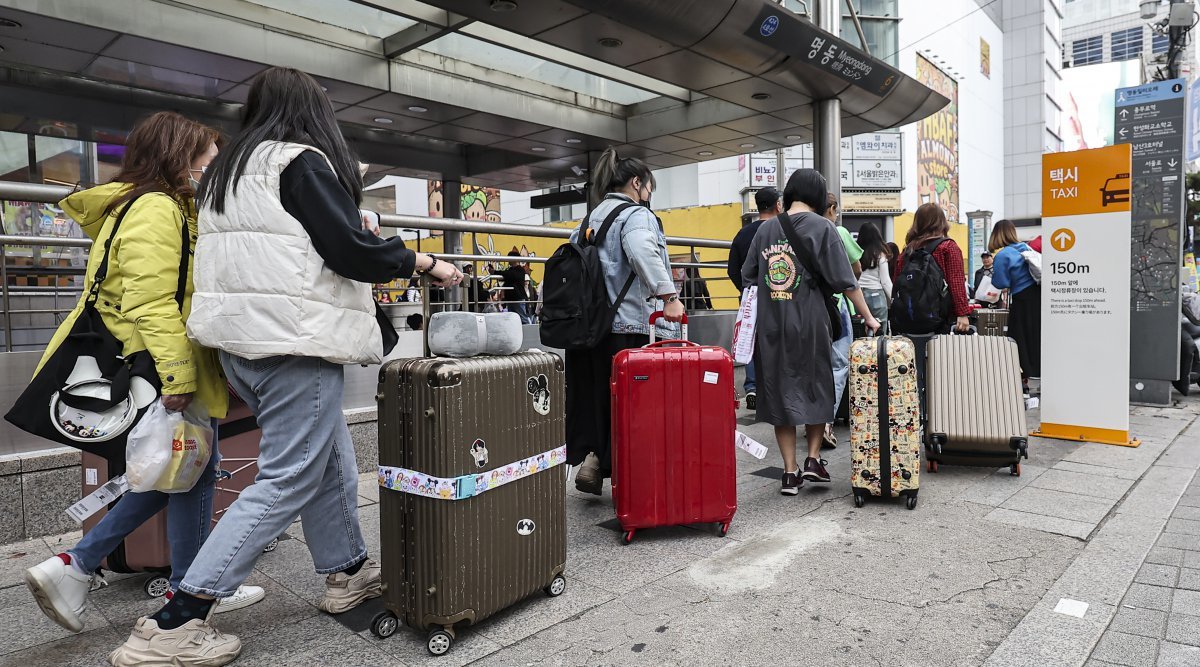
pixel 929 223
pixel 830 202
pixel 1004 234
pixel 159 154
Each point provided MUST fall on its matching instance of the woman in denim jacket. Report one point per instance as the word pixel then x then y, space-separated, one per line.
pixel 635 244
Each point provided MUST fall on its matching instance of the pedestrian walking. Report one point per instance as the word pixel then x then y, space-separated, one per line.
pixel 283 200
pixel 841 346
pixel 876 277
pixel 929 289
pixel 633 245
pixel 152 195
pixel 769 205
pixel 800 267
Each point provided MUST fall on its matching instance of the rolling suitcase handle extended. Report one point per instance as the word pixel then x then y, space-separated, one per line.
pixel 656 316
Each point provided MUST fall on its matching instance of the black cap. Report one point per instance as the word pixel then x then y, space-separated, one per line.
pixel 986 254
pixel 766 199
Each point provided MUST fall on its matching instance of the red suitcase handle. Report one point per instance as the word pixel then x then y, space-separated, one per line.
pixel 656 316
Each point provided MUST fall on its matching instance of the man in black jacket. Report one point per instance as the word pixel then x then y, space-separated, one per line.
pixel 769 206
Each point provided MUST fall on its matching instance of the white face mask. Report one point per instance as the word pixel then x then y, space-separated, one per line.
pixel 191 177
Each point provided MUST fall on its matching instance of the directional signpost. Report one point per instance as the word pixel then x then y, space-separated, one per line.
pixel 1152 119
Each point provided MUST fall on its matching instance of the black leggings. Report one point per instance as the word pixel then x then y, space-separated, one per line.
pixel 588 407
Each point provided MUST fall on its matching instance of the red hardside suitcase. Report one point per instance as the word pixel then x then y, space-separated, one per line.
pixel 673 425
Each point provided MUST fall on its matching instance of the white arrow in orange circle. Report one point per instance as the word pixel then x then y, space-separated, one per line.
pixel 1063 239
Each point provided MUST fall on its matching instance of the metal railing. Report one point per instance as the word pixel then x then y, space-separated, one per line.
pixel 52 194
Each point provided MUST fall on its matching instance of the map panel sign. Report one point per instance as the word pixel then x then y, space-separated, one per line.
pixel 1151 118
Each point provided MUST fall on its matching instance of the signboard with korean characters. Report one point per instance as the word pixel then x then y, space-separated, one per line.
pixel 872 161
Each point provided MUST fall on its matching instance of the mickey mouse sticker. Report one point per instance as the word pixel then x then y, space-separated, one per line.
pixel 480 453
pixel 538 387
pixel 525 527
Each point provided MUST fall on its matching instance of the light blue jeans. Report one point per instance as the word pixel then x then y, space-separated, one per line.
pixel 306 469
pixel 841 356
pixel 189 516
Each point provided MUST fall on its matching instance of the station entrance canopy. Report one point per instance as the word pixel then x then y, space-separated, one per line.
pixel 504 93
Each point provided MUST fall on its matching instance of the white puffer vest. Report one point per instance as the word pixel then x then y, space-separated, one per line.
pixel 261 287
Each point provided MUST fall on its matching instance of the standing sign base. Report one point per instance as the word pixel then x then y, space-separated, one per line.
pixel 1150 392
pixel 1102 436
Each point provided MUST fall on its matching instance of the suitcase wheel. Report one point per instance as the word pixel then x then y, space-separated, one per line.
pixel 627 537
pixel 271 546
pixel 556 587
pixel 1015 470
pixel 723 529
pixel 384 624
pixel 859 501
pixel 910 502
pixel 933 466
pixel 439 642
pixel 157 586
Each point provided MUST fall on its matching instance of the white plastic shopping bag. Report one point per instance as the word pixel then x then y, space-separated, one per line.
pixel 743 327
pixel 987 293
pixel 168 451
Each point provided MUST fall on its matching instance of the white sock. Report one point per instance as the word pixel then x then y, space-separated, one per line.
pixel 75 564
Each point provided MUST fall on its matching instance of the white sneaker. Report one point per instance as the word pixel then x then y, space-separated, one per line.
pixel 244 597
pixel 193 644
pixel 60 590
pixel 344 592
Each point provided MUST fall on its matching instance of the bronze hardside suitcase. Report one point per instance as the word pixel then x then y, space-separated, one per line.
pixel 976 405
pixel 473 485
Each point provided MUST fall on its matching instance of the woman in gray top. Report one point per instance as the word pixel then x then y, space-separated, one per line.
pixel 634 245
pixel 792 333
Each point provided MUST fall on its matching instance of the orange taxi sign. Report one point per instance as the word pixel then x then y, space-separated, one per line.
pixel 1090 181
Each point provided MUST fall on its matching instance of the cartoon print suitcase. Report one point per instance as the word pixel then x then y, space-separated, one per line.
pixel 885 419
pixel 976 405
pixel 673 429
pixel 472 481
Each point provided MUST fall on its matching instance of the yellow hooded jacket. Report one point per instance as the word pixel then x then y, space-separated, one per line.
pixel 137 299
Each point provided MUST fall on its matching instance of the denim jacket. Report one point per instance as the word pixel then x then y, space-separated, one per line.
pixel 635 242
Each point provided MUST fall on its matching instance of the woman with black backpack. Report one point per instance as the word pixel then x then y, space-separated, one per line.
pixel 929 293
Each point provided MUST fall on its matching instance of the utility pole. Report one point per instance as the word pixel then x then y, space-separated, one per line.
pixel 827 114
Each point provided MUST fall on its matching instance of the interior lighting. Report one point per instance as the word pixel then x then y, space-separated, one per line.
pixel 609 42
pixel 382 120
pixel 704 153
pixel 573 140
pixel 9 23
pixel 761 96
pixel 503 6
pixel 417 109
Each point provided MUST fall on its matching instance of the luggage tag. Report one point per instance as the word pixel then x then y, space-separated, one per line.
pixel 749 445
pixel 98 499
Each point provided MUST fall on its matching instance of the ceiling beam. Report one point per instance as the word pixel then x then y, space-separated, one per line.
pixel 419 35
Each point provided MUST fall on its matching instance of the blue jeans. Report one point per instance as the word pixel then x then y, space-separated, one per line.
pixel 189 517
pixel 751 384
pixel 306 469
pixel 841 356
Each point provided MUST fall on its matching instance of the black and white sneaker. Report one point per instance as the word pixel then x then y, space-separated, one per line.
pixel 791 484
pixel 751 400
pixel 814 470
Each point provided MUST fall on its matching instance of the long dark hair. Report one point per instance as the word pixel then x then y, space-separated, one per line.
pixel 284 104
pixel 807 186
pixel 612 172
pixel 929 223
pixel 159 154
pixel 872 244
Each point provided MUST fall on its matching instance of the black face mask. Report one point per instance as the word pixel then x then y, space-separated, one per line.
pixel 645 202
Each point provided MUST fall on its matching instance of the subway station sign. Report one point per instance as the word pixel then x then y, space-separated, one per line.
pixel 871 161
pixel 1085 295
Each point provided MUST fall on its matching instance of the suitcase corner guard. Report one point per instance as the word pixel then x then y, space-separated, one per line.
pixel 468 486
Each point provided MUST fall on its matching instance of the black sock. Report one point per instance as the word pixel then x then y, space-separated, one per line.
pixel 353 569
pixel 182 608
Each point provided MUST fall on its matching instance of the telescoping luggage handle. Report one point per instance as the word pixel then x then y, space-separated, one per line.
pixel 682 340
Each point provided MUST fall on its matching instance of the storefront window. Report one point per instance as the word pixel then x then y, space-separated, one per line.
pixel 14 157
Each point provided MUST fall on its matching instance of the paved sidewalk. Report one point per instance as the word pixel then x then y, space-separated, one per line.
pixel 969 577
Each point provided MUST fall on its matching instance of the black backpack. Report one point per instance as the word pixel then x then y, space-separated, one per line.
pixel 576 312
pixel 921 299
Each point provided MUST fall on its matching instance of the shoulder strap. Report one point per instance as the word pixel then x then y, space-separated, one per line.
pixel 789 230
pixel 608 221
pixel 102 270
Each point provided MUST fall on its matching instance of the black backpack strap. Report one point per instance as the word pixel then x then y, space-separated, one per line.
pixel 823 287
pixel 601 234
pixel 102 270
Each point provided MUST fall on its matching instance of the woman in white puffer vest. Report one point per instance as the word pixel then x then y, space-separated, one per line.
pixel 283 273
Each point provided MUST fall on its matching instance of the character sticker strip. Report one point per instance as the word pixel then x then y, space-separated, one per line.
pixel 468 486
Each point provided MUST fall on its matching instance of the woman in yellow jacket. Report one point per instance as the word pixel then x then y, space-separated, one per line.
pixel 164 157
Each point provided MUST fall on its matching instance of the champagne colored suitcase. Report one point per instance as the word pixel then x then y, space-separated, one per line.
pixel 673 429
pixel 885 420
pixel 473 488
pixel 976 405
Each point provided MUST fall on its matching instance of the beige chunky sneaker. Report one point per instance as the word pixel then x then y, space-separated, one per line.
pixel 344 592
pixel 193 644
